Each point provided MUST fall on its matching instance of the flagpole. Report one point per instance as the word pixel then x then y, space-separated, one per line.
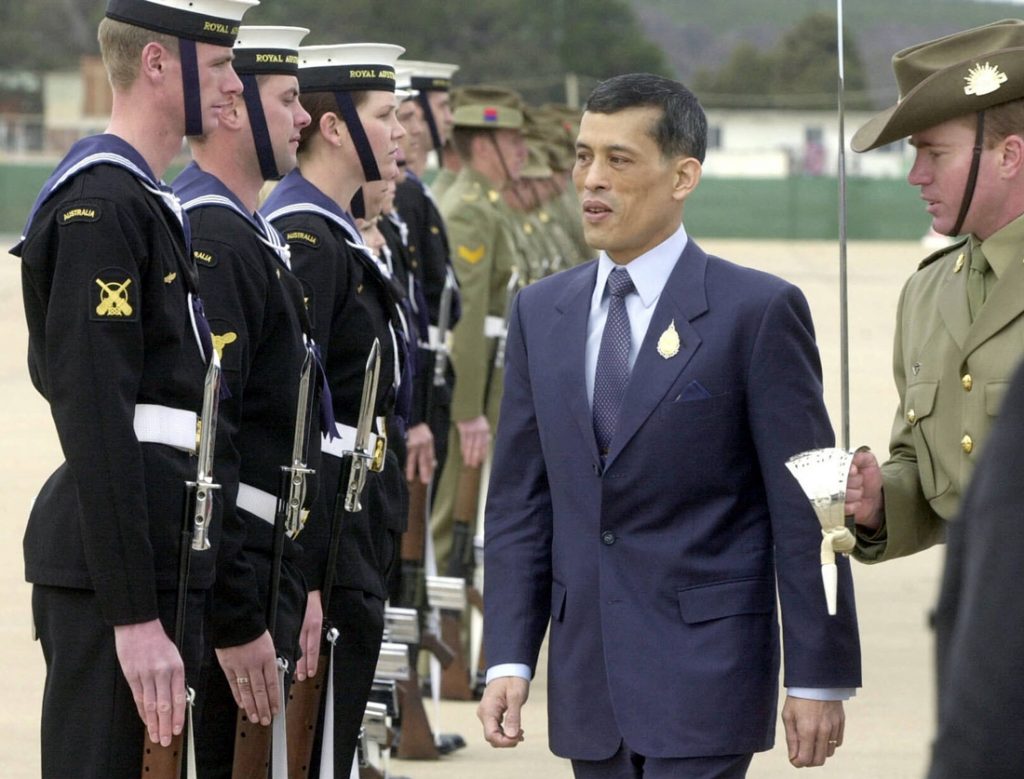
pixel 844 337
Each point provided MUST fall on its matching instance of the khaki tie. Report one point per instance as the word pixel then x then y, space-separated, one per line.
pixel 976 282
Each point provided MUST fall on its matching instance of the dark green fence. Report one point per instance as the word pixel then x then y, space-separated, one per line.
pixel 791 209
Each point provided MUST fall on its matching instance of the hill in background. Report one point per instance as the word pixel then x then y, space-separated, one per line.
pixel 701 34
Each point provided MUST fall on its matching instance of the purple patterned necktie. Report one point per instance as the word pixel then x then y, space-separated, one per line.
pixel 612 372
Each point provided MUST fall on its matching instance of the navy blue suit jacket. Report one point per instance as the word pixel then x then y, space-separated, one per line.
pixel 658 571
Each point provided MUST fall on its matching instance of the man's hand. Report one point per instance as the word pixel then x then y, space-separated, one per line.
pixel 251 670
pixel 814 730
pixel 309 637
pixel 474 440
pixel 420 459
pixel 499 710
pixel 156 674
pixel 864 499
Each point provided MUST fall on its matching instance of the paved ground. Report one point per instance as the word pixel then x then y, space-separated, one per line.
pixel 889 724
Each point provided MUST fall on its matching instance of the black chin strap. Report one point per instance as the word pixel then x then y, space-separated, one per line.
pixel 258 125
pixel 972 177
pixel 190 87
pixel 428 115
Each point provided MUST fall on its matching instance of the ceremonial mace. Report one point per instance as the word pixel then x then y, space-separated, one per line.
pixel 822 474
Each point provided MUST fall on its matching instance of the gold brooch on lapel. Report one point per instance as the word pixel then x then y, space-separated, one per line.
pixel 668 343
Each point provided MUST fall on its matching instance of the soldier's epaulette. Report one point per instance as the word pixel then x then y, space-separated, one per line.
pixel 305 237
pixel 78 212
pixel 940 253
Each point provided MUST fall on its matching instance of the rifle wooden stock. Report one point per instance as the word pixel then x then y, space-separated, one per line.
pixel 415 535
pixel 417 741
pixel 303 711
pixel 252 750
pixel 454 678
pixel 162 762
pixel 432 643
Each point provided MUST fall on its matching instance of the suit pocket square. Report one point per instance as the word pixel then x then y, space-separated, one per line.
pixel 694 391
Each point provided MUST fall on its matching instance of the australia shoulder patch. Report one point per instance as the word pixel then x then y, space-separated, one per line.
pixel 78 212
pixel 303 237
pixel 114 296
pixel 203 258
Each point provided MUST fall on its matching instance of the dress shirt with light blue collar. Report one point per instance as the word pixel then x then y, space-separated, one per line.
pixel 649 272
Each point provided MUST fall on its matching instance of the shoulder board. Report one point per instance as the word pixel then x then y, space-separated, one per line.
pixel 935 256
pixel 78 213
pixel 204 258
pixel 305 237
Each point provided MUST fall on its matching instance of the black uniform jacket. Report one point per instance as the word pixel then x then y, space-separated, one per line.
pixel 351 302
pixel 430 264
pixel 107 284
pixel 254 306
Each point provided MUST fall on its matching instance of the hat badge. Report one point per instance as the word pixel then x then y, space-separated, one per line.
pixel 983 79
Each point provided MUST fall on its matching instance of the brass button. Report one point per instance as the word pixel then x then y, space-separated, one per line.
pixel 967 444
pixel 911 416
pixel 967 382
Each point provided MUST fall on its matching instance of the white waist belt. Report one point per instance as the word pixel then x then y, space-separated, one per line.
pixel 434 342
pixel 165 425
pixel 494 327
pixel 345 443
pixel 257 502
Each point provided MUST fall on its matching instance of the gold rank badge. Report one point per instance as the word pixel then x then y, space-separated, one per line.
pixel 668 342
pixel 113 296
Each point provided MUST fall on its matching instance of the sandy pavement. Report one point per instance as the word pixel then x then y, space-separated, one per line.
pixel 889 723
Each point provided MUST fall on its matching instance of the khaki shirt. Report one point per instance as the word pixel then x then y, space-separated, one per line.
pixel 484 255
pixel 951 375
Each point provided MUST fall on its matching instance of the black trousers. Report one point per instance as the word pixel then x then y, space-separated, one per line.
pixel 359 618
pixel 216 712
pixel 90 726
pixel 627 764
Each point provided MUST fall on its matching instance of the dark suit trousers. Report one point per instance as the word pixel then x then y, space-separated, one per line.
pixel 90 725
pixel 627 764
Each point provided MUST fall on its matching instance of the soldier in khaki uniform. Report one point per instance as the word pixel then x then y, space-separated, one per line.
pixel 488 138
pixel 542 255
pixel 960 329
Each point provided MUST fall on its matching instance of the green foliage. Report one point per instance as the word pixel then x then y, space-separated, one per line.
pixel 528 44
pixel 801 71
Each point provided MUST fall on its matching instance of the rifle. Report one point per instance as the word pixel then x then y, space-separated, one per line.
pixel 455 679
pixel 159 761
pixel 259 748
pixel 418 740
pixel 305 696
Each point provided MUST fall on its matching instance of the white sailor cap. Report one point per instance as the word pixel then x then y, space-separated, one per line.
pixel 264 49
pixel 348 67
pixel 403 83
pixel 431 76
pixel 205 21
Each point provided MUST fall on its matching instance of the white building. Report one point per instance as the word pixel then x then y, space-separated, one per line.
pixel 777 143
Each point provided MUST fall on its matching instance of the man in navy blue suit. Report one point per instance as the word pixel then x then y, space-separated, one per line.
pixel 640 501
